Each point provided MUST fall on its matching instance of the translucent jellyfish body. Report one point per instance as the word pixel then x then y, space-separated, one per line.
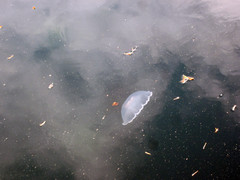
pixel 133 105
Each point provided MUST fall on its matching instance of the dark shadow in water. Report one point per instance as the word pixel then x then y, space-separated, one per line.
pixel 176 137
pixel 54 41
pixel 110 80
pixel 42 54
pixel 71 83
pixel 153 144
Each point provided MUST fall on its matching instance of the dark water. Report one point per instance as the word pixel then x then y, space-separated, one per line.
pixel 78 46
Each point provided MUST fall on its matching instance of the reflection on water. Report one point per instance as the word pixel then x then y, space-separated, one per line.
pixel 68 66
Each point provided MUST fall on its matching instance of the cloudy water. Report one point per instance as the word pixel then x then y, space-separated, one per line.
pixel 66 68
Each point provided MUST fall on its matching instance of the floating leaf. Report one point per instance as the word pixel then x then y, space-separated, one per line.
pixel 50 86
pixel 186 78
pixel 10 57
pixel 42 123
pixel 130 52
pixel 148 153
pixel 115 104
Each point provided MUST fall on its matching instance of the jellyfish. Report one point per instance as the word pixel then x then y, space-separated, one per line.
pixel 133 105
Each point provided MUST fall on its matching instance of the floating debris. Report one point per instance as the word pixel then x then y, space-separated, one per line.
pixel 234 108
pixel 204 146
pixel 103 117
pixel 186 78
pixel 131 52
pixel 128 53
pixel 0 27
pixel 10 57
pixel 176 98
pixel 193 174
pixel 115 104
pixel 216 130
pixel 33 8
pixel 221 95
pixel 134 49
pixel 42 123
pixel 148 153
pixel 50 86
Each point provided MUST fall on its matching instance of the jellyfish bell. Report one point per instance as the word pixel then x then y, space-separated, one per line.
pixel 133 105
